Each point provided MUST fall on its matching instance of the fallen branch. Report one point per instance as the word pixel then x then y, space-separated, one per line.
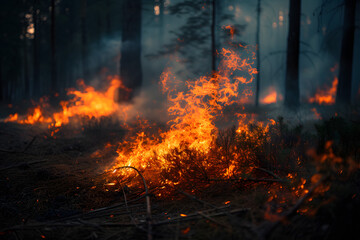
pixel 196 215
pixel 147 197
pixel 247 180
pixel 265 232
pixel 24 150
pixel 269 172
pixel 23 164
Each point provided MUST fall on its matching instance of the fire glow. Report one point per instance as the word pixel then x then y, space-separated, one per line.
pixel 325 96
pixel 86 102
pixel 194 112
pixel 271 97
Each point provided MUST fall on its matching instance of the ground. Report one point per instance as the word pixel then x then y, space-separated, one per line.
pixel 54 188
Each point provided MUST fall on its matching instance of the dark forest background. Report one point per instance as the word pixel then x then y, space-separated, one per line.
pixel 47 45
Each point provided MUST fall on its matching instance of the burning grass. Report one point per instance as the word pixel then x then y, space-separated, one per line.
pixel 247 179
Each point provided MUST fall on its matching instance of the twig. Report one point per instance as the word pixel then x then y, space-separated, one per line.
pixel 147 197
pixel 22 164
pixel 269 172
pixel 196 199
pixel 29 144
pixel 196 215
pixel 99 210
pixel 247 180
pixel 267 232
pixel 23 151
pixel 214 221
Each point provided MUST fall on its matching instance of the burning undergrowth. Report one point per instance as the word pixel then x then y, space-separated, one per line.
pixel 290 170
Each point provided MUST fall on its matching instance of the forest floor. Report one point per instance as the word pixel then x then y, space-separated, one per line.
pixel 50 188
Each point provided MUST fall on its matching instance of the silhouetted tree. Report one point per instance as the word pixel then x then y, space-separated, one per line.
pixel 130 61
pixel 292 58
pixel 36 52
pixel 84 61
pixel 257 89
pixel 343 95
pixel 53 48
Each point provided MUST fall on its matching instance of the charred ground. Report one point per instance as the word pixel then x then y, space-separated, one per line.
pixel 54 187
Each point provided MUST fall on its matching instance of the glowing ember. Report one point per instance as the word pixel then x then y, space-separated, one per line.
pixel 231 30
pixel 317 115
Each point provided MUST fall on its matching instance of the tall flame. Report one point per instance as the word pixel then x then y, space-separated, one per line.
pixel 194 112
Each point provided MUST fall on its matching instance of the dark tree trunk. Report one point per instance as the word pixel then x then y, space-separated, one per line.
pixel 108 18
pixel 257 90
pixel 1 82
pixel 130 61
pixel 84 41
pixel 161 20
pixel 292 59
pixel 213 36
pixel 36 55
pixel 343 95
pixel 26 68
pixel 53 49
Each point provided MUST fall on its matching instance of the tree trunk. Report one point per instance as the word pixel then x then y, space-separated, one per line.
pixel 108 18
pixel 53 49
pixel 1 82
pixel 292 59
pixel 36 55
pixel 257 90
pixel 84 41
pixel 130 61
pixel 343 95
pixel 161 20
pixel 26 68
pixel 213 37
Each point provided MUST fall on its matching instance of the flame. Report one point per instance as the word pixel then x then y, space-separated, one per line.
pixel 231 30
pixel 327 95
pixel 86 102
pixel 271 97
pixel 193 112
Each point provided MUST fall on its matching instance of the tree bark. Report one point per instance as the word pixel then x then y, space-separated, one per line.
pixel 343 95
pixel 36 55
pixel 1 82
pixel 26 68
pixel 53 49
pixel 292 91
pixel 108 18
pixel 213 37
pixel 84 41
pixel 130 61
pixel 257 90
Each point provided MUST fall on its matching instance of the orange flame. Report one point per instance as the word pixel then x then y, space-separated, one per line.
pixel 84 103
pixel 231 30
pixel 194 112
pixel 271 97
pixel 325 96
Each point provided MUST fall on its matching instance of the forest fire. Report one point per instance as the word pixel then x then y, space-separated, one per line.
pixel 193 125
pixel 84 103
pixel 184 119
pixel 325 96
